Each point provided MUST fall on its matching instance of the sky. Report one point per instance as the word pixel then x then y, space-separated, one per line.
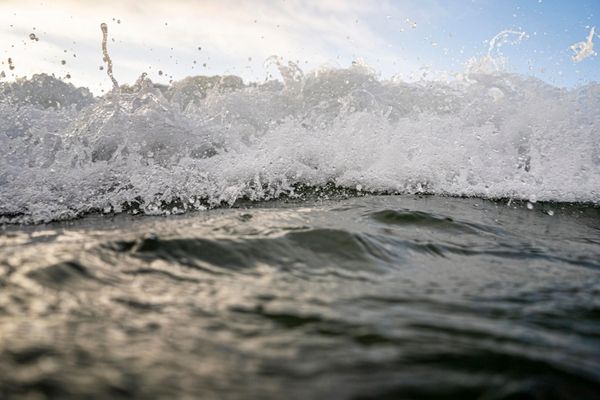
pixel 409 40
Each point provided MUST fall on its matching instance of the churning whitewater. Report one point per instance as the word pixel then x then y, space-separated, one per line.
pixel 209 141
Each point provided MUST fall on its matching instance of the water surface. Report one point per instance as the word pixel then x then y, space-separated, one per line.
pixel 367 297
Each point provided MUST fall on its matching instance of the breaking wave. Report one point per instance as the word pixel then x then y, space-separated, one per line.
pixel 209 141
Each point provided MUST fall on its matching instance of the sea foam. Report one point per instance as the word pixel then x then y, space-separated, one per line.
pixel 208 141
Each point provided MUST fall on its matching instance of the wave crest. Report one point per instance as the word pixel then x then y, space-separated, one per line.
pixel 205 141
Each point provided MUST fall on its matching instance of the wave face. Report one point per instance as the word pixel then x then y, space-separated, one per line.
pixel 208 141
pixel 372 297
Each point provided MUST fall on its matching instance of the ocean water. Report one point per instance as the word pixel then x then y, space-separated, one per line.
pixel 422 297
pixel 331 235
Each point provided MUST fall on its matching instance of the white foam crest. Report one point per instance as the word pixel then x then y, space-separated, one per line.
pixel 213 140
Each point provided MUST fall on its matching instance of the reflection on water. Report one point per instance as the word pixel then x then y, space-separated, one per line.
pixel 371 297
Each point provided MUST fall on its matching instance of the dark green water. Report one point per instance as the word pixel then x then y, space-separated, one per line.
pixel 370 297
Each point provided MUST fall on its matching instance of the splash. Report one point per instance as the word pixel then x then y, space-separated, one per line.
pixel 584 49
pixel 495 61
pixel 494 54
pixel 209 141
pixel 106 56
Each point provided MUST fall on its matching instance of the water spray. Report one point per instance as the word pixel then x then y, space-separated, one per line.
pixel 106 57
